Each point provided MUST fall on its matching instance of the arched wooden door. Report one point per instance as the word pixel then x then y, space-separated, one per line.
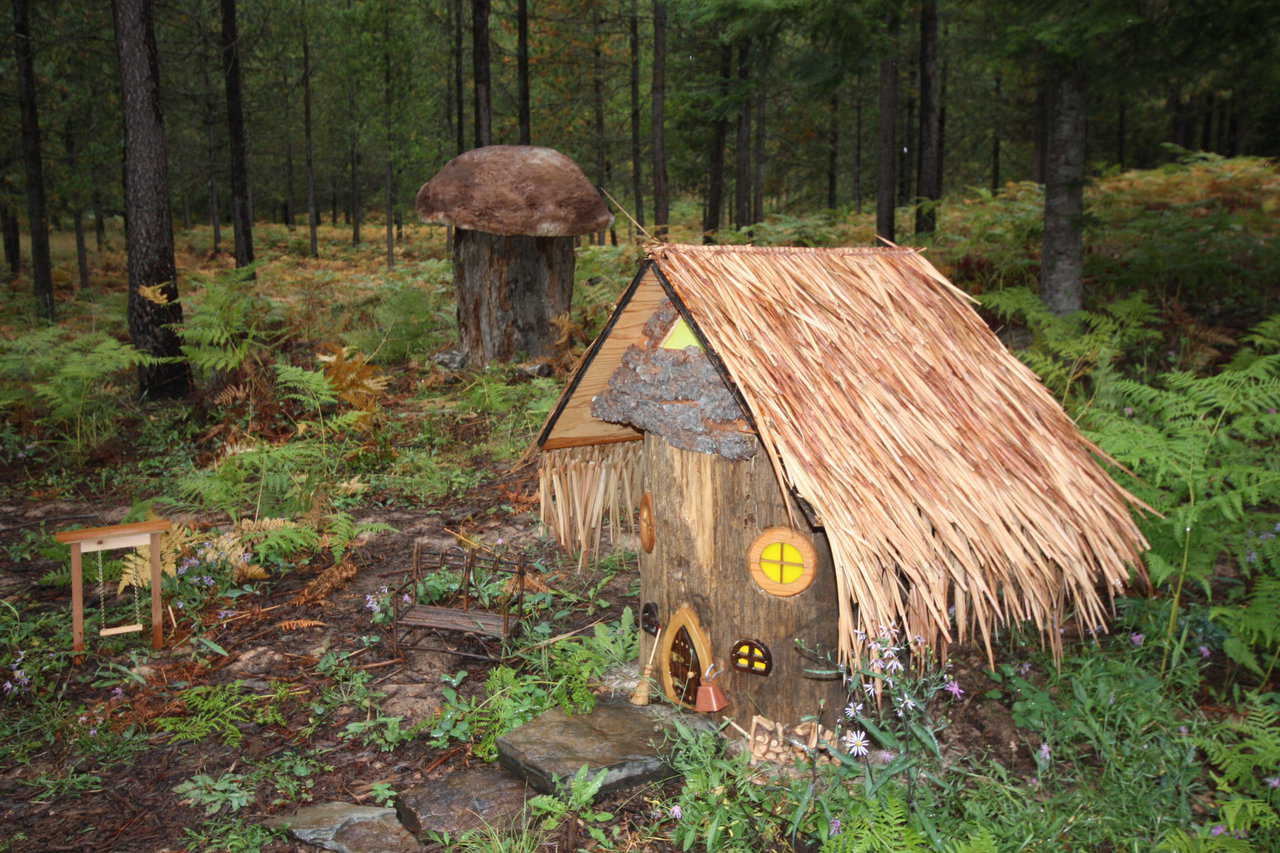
pixel 684 656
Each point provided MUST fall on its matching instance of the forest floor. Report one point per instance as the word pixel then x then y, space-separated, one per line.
pixel 68 798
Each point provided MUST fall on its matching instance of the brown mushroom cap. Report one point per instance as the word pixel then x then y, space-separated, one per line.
pixel 513 189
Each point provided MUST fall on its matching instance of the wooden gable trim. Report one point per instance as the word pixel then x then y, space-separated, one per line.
pixel 590 356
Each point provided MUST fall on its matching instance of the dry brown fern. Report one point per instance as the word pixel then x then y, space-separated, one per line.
pixel 299 624
pixel 332 578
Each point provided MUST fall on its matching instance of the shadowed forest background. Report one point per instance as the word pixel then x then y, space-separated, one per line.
pixel 221 309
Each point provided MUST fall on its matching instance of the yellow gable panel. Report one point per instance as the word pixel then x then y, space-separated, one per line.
pixel 680 336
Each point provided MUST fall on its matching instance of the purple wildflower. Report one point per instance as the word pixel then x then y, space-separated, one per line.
pixel 1205 652
pixel 677 812
pixel 117 692
pixel 1045 752
pixel 833 828
pixel 406 598
pixel 1128 411
pixel 1272 781
pixel 953 687
pixel 1024 667
pixel 853 709
pixel 1218 829
pixel 1136 638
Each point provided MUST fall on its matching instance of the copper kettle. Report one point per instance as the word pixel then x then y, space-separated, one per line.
pixel 710 696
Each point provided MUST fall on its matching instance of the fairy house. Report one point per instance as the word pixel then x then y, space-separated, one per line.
pixel 821 443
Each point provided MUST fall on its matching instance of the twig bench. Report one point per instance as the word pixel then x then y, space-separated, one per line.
pixel 409 622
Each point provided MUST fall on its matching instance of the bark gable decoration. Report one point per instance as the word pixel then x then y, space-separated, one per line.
pixel 944 490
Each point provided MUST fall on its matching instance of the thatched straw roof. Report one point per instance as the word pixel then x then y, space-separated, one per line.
pixel 955 492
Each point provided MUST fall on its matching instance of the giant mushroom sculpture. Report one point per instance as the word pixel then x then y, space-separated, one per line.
pixel 516 209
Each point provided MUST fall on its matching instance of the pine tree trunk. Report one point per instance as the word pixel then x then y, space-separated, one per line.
pixel 313 214
pixel 995 143
pixel 509 289
pixel 928 176
pixel 12 240
pixel 480 71
pixel 757 156
pixel 241 215
pixel 637 186
pixel 388 132
pixel 658 99
pixel 77 208
pixel 887 149
pixel 597 107
pixel 37 210
pixel 1062 261
pixel 99 220
pixel 148 223
pixel 833 152
pixel 459 101
pixel 715 154
pixel 82 249
pixel 522 71
pixel 1121 131
pixel 742 143
pixel 857 146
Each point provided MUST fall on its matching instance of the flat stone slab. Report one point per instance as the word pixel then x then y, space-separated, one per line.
pixel 624 740
pixel 468 798
pixel 348 828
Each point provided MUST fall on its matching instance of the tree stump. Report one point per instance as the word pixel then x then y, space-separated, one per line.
pixel 509 289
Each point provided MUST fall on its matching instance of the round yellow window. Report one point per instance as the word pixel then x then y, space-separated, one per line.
pixel 782 561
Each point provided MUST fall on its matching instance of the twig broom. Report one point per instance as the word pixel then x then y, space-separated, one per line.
pixel 641 694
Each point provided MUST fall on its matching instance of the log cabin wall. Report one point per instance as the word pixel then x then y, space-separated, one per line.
pixel 707 513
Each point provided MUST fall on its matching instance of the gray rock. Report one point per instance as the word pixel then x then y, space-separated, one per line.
pixel 381 835
pixel 465 799
pixel 348 828
pixel 624 740
pixel 413 701
pixel 451 359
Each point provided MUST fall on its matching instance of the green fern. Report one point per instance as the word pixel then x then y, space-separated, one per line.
pixel 341 530
pixel 1245 754
pixel 226 330
pixel 880 826
pixel 74 386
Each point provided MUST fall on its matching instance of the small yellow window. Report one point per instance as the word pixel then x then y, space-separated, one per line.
pixel 752 656
pixel 680 336
pixel 782 561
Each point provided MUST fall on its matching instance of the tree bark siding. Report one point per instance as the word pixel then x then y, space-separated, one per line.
pixel 241 214
pixel 480 72
pixel 707 512
pixel 1062 261
pixel 37 210
pixel 657 99
pixel 149 227
pixel 509 289
pixel 887 153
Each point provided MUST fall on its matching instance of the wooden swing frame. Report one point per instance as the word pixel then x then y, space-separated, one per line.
pixel 111 538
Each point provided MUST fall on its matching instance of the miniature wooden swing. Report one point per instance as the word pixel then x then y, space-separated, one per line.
pixel 110 538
